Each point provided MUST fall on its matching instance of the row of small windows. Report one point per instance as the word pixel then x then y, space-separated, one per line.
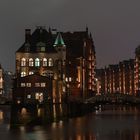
pixel 31 72
pixel 35 85
pixel 46 62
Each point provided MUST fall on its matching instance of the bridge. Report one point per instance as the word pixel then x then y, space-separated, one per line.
pixel 113 98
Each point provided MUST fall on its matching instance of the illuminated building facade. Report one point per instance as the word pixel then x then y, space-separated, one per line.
pixel 80 64
pixel 118 78
pixel 111 81
pixel 66 59
pixel 137 70
pixel 1 81
pixel 126 77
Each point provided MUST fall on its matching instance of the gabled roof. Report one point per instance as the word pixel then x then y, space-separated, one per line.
pixel 39 38
pixel 42 38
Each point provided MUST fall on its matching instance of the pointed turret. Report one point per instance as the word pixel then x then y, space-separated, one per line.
pixel 59 40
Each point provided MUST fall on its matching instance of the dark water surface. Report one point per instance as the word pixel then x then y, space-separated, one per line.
pixel 107 123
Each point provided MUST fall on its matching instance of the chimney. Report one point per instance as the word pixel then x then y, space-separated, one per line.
pixel 27 35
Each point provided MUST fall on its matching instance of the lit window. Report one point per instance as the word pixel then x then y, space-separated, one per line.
pixel 63 75
pixel 39 97
pixel 66 79
pixel 89 87
pixel 43 84
pixel 37 62
pixel 70 79
pixel 31 62
pixel 44 62
pixel 29 96
pixel 22 84
pixel 23 74
pixel 37 84
pixel 28 84
pixel 31 72
pixel 64 89
pixel 41 46
pixel 23 62
pixel 50 62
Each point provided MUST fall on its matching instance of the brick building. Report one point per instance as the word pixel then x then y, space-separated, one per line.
pixel 66 59
pixel 118 78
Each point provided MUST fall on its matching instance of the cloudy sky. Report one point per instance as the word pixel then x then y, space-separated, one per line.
pixel 114 24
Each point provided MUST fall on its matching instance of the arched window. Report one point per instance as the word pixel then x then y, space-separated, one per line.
pixel 37 62
pixel 23 62
pixel 50 62
pixel 31 62
pixel 31 72
pixel 44 62
pixel 23 74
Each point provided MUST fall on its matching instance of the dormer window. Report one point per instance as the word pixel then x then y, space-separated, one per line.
pixel 42 49
pixel 41 46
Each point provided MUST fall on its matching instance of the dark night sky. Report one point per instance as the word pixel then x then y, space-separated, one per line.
pixel 114 24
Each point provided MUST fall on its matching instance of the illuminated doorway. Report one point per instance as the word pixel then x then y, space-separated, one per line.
pixel 39 97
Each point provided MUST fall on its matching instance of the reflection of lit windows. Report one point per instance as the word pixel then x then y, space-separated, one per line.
pixel 50 62
pixel 22 85
pixel 31 62
pixel 44 62
pixel 29 96
pixel 23 62
pixel 31 72
pixel 23 74
pixel 28 84
pixel 37 84
pixel 37 62
pixel 43 84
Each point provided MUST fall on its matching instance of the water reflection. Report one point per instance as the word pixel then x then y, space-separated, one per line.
pixel 110 123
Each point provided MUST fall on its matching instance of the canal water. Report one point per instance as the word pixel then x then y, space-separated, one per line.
pixel 108 122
